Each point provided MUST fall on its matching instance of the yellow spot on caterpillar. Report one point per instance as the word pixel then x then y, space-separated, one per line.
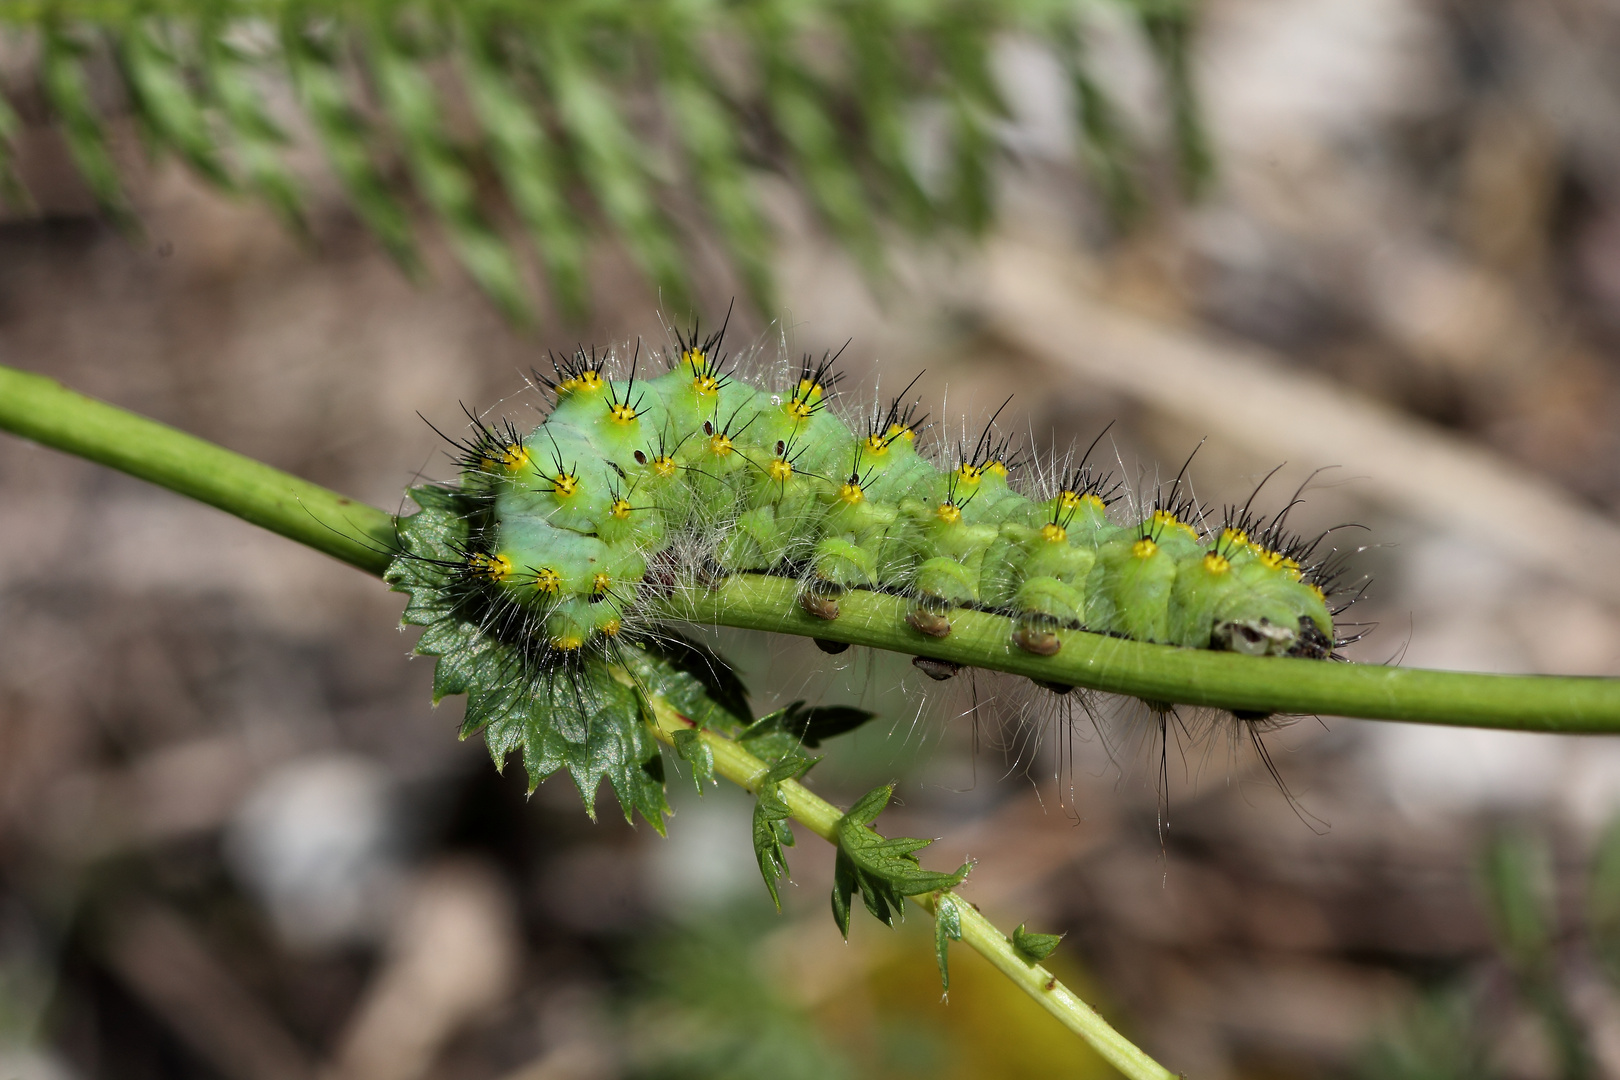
pixel 719 444
pixel 779 470
pixel 949 513
pixel 564 484
pixel 1317 589
pixel 620 508
pixel 705 386
pixel 511 457
pixel 968 474
pixel 591 380
pixel 695 358
pixel 851 493
pixel 799 410
pixel 547 580
pixel 612 627
pixel 899 431
pixel 493 567
pixel 1069 500
pixel 877 444
pixel 622 412
pixel 1276 560
pixel 567 642
pixel 1053 533
pixel 808 389
pixel 664 466
pixel 1216 563
pixel 600 582
pixel 1291 568
pixel 1234 538
pixel 1165 519
pixel 1144 548
pixel 997 467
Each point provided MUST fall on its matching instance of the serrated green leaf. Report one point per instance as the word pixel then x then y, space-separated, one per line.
pixel 786 732
pixel 696 753
pixel 1034 947
pixel 947 928
pixel 771 831
pixel 884 871
pixel 697 682
pixel 580 718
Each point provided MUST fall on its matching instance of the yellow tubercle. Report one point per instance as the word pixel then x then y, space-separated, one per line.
pixel 1144 548
pixel 600 583
pixel 899 431
pixel 779 470
pixel 564 484
pixel 664 466
pixel 620 509
pixel 612 627
pixel 949 513
pixel 591 380
pixel 705 385
pixel 1053 533
pixel 493 567
pixel 997 467
pixel 547 580
pixel 876 445
pixel 1163 519
pixel 1216 563
pixel 798 409
pixel 1317 589
pixel 968 474
pixel 720 444
pixel 567 642
pixel 851 493
pixel 621 413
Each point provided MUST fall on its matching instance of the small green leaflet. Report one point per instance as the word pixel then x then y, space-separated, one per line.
pixel 771 831
pixel 885 871
pixel 1034 947
pixel 784 733
pixel 947 928
pixel 696 753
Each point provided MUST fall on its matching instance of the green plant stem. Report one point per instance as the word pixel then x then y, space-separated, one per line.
pixel 42 410
pixel 979 933
pixel 49 413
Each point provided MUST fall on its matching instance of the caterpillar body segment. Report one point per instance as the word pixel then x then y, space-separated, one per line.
pixel 699 462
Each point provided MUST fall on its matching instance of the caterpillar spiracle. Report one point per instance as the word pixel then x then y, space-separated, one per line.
pixel 536 571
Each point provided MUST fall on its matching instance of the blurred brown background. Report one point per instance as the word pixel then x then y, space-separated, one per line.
pixel 236 841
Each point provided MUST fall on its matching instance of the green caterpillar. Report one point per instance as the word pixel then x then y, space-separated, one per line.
pixel 538 576
pixel 568 517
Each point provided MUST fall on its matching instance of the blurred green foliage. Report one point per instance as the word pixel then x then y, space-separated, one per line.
pixel 647 121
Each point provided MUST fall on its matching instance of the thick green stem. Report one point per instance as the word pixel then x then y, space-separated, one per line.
pixel 47 412
pixel 42 410
pixel 978 933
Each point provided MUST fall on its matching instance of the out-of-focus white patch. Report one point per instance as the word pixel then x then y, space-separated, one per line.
pixel 707 861
pixel 318 843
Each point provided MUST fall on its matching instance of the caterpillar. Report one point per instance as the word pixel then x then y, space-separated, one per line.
pixel 551 544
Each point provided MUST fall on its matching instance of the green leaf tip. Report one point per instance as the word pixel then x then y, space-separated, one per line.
pixel 884 871
pixel 1032 947
pixel 771 813
pixel 947 928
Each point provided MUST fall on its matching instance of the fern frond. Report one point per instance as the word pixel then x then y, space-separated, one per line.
pixel 582 117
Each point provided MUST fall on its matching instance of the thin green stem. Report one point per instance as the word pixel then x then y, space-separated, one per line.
pixel 42 410
pixel 979 933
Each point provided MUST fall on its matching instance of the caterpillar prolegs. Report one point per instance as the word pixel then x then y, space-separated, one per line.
pixel 554 544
